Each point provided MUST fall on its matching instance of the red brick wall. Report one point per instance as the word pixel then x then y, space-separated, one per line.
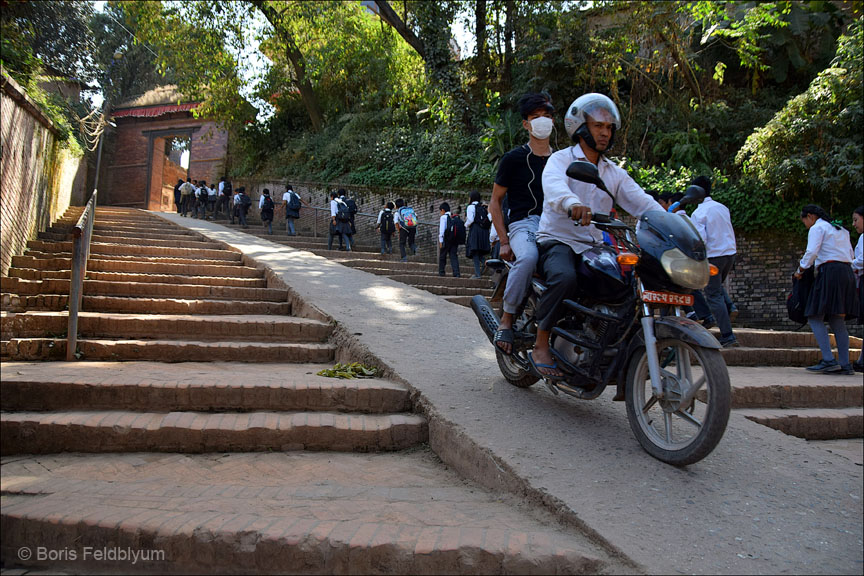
pixel 124 179
pixel 38 178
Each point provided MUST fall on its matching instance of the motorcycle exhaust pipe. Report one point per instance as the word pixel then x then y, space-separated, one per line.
pixel 485 315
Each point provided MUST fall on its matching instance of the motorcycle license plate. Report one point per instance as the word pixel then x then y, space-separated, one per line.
pixel 667 298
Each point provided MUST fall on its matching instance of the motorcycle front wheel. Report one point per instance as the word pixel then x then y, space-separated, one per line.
pixel 673 429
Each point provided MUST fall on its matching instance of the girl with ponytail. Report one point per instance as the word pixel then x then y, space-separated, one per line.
pixel 833 296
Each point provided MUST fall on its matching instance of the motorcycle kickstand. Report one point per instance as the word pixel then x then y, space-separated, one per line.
pixel 551 386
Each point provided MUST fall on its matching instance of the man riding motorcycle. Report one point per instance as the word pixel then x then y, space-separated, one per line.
pixel 591 122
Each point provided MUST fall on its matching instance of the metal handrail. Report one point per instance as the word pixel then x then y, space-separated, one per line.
pixel 81 235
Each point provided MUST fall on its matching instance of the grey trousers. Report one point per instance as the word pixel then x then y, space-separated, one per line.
pixel 524 248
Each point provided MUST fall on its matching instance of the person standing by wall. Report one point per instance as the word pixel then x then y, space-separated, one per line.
pixel 292 203
pixel 832 296
pixel 477 223
pixel 406 223
pixel 858 270
pixel 714 224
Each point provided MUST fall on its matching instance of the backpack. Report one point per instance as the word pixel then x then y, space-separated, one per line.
pixel 454 233
pixel 409 217
pixel 796 302
pixel 352 206
pixel 294 202
pixel 481 216
pixel 342 213
pixel 387 225
pixel 268 205
pixel 245 200
pixel 227 190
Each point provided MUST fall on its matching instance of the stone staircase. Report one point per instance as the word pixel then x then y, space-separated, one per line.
pixel 198 430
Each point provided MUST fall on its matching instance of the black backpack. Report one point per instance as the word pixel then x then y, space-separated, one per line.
pixel 245 200
pixel 387 224
pixel 294 203
pixel 227 190
pixel 481 216
pixel 454 233
pixel 342 213
pixel 268 204
pixel 796 302
pixel 352 206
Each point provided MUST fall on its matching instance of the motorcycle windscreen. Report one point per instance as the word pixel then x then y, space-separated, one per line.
pixel 661 231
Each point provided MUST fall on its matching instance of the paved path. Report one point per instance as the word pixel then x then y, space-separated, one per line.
pixel 762 503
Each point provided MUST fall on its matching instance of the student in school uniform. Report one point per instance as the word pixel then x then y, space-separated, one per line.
pixel 832 297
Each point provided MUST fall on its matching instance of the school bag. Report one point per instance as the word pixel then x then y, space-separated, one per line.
pixel 481 216
pixel 387 224
pixel 796 301
pixel 352 206
pixel 245 200
pixel 227 190
pixel 454 233
pixel 409 217
pixel 268 204
pixel 342 213
pixel 294 203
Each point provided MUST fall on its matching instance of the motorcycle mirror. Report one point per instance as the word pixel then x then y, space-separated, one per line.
pixel 693 195
pixel 587 172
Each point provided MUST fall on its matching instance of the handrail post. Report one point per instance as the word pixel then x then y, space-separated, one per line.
pixel 81 234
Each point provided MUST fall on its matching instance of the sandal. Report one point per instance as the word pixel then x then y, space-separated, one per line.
pixel 535 367
pixel 503 335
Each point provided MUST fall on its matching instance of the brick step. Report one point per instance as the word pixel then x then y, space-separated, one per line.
pixel 30 274
pixel 14 302
pixel 756 338
pixel 259 328
pixel 315 247
pixel 460 300
pixel 291 513
pixel 192 243
pixel 143 289
pixel 171 350
pixel 149 387
pixel 129 431
pixel 100 249
pixel 813 423
pixel 394 266
pixel 422 281
pixel 431 272
pixel 776 356
pixel 140 232
pixel 456 290
pixel 152 266
pixel 124 224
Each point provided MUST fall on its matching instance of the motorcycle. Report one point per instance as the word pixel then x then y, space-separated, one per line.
pixel 627 328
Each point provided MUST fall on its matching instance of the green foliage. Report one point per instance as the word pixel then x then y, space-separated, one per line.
pixel 350 371
pixel 683 148
pixel 813 149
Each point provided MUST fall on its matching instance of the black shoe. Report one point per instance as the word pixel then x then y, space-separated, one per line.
pixel 731 344
pixel 840 371
pixel 858 367
pixel 708 324
pixel 824 366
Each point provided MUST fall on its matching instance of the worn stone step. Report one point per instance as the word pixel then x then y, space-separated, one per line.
pixel 97 248
pixel 460 300
pixel 178 234
pixel 32 274
pixel 776 356
pixel 131 431
pixel 157 387
pixel 182 306
pixel 258 328
pixel 758 338
pixel 171 350
pixel 423 281
pixel 396 266
pixel 192 243
pixel 143 289
pixel 280 513
pixel 455 290
pixel 811 423
pixel 107 263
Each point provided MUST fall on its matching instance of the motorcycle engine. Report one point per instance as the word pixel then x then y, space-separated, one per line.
pixel 591 330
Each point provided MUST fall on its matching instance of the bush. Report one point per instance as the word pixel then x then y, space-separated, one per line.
pixel 811 151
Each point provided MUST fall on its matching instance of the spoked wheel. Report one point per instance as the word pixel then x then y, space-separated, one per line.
pixel 513 370
pixel 687 424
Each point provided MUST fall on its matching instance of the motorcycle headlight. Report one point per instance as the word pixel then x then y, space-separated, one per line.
pixel 685 271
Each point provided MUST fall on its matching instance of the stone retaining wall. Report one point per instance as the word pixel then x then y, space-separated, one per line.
pixel 39 178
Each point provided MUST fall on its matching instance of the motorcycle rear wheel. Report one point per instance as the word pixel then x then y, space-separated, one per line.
pixel 513 373
pixel 674 432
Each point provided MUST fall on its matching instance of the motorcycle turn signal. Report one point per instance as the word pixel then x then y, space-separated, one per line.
pixel 713 270
pixel 627 259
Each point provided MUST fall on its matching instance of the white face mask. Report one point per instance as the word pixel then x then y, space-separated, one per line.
pixel 541 127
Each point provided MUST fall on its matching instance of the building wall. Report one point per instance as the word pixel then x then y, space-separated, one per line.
pixel 125 174
pixel 38 177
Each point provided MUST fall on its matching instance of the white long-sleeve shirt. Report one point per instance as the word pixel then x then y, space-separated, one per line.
pixel 469 214
pixel 858 262
pixel 442 226
pixel 562 193
pixel 714 224
pixel 825 244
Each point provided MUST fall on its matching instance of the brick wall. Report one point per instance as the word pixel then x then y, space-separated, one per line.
pixel 38 177
pixel 127 149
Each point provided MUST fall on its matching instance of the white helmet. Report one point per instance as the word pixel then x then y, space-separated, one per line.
pixel 600 108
